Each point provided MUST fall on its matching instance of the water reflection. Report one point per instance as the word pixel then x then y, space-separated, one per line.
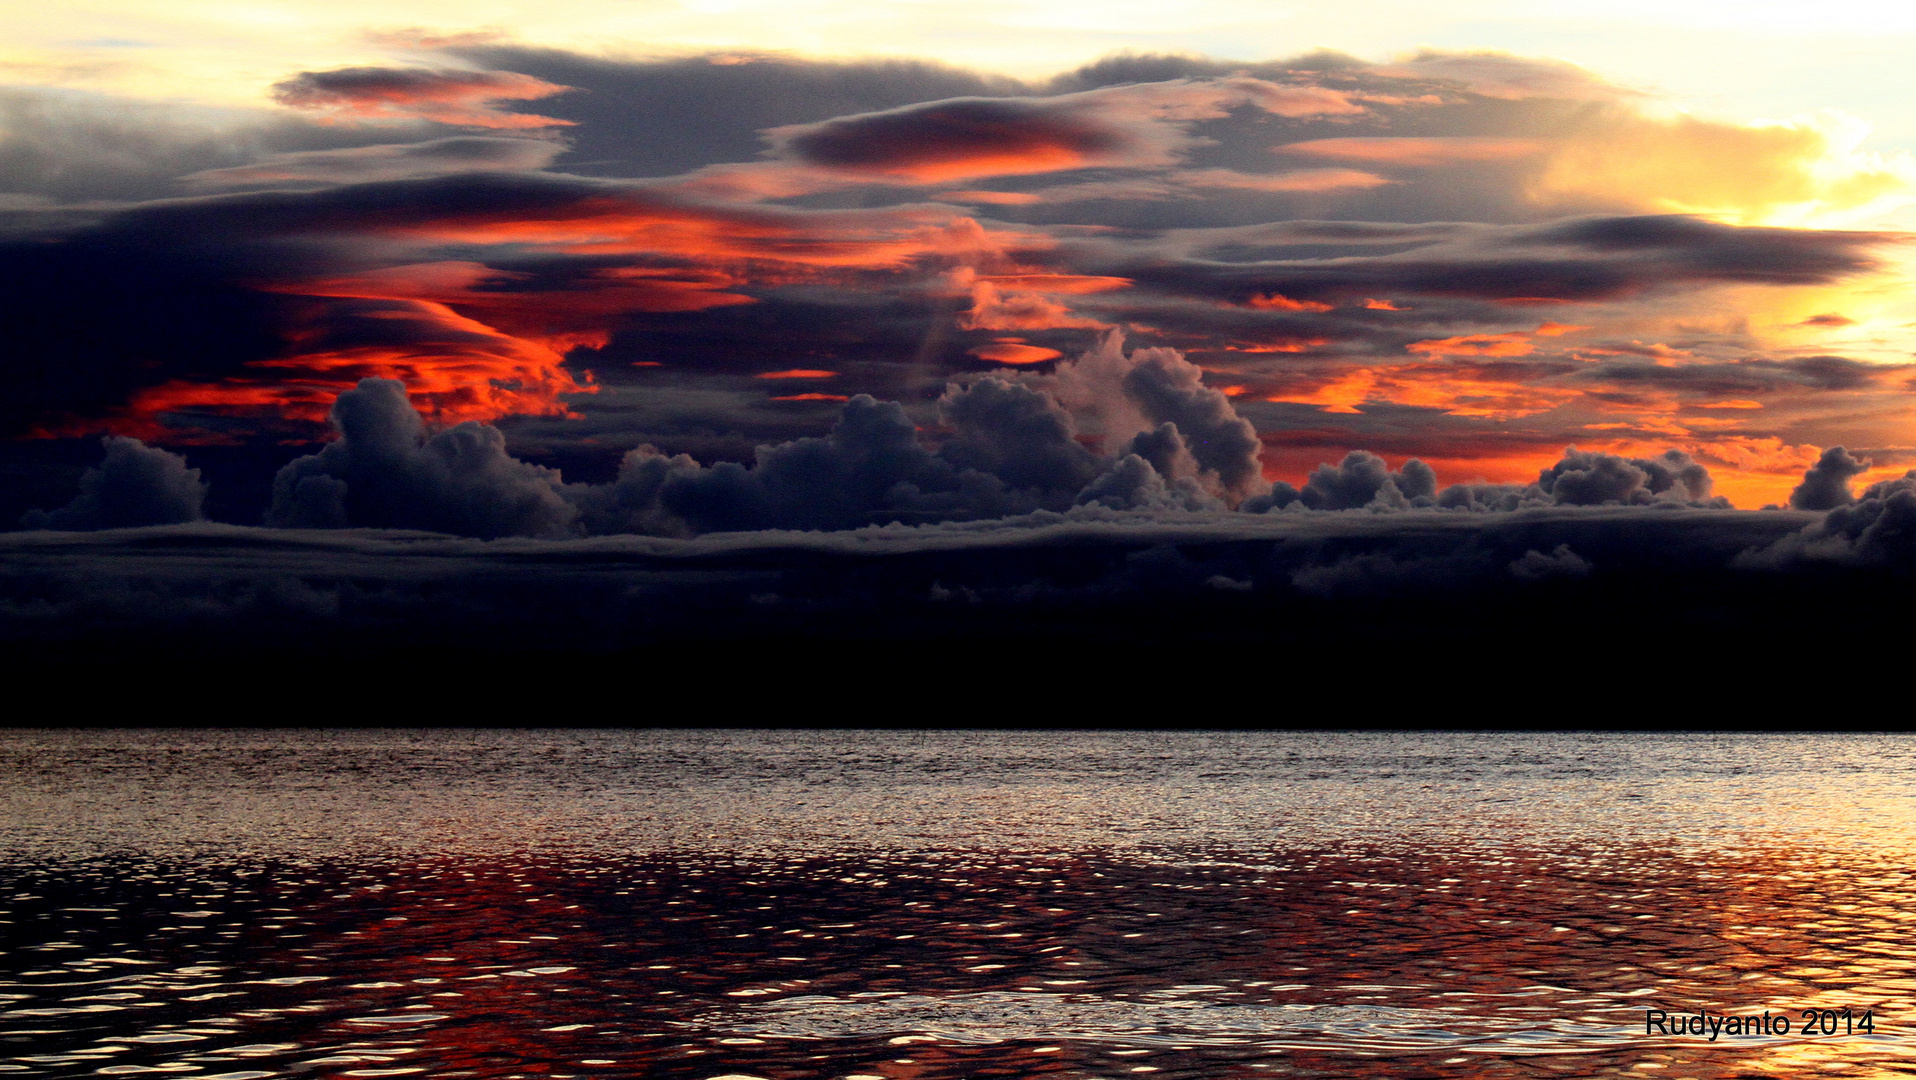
pixel 511 906
pixel 955 965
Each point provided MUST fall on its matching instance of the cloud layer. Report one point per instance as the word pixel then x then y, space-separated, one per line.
pixel 1466 260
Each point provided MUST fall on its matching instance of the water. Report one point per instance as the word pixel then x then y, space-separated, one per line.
pixel 554 904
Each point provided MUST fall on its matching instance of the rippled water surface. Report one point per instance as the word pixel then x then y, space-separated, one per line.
pixel 788 906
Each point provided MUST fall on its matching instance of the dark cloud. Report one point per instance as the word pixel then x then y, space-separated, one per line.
pixel 383 471
pixel 1134 483
pixel 91 318
pixel 1586 478
pixel 870 467
pixel 1832 372
pixel 1593 259
pixel 1534 565
pixel 1169 390
pixel 1591 478
pixel 1825 485
pixel 135 485
pixel 1164 448
pixel 1877 529
pixel 441 95
pixel 1016 433
pixel 1005 447
pixel 961 137
pixel 1363 481
pixel 662 117
pixel 1753 376
pixel 1090 578
pixel 395 161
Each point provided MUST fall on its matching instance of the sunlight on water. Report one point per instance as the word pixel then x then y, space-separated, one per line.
pixel 233 906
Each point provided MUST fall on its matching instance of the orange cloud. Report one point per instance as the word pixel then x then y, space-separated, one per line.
pixel 1338 395
pixel 1491 392
pixel 1805 171
pixel 1056 283
pixel 1010 353
pixel 655 222
pixel 993 198
pixel 797 373
pixel 455 368
pixel 995 310
pixel 1421 152
pixel 812 396
pixel 575 313
pixel 1304 180
pixel 1280 345
pixel 1280 302
pixel 1511 344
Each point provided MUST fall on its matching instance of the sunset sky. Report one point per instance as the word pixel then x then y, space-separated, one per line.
pixel 1473 234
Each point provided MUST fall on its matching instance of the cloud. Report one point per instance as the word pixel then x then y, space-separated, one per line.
pixel 1501 75
pixel 1169 390
pixel 1409 266
pixel 1584 259
pixel 135 485
pixel 666 116
pixel 1363 481
pixel 1010 447
pixel 441 95
pixel 1089 576
pixel 871 467
pixel 1416 151
pixel 1015 353
pixel 384 471
pixel 1877 529
pixel 967 138
pixel 395 161
pixel 1154 471
pixel 1298 180
pixel 1119 395
pixel 1825 485
pixel 75 146
pixel 1585 478
pixel 1561 562
pixel 1805 170
pixel 1181 184
pixel 962 139
pixel 1017 433
pixel 92 318
pixel 1594 478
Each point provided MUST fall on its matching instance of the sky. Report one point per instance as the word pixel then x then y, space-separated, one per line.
pixel 676 269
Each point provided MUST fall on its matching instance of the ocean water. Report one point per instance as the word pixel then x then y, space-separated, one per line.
pixel 552 904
